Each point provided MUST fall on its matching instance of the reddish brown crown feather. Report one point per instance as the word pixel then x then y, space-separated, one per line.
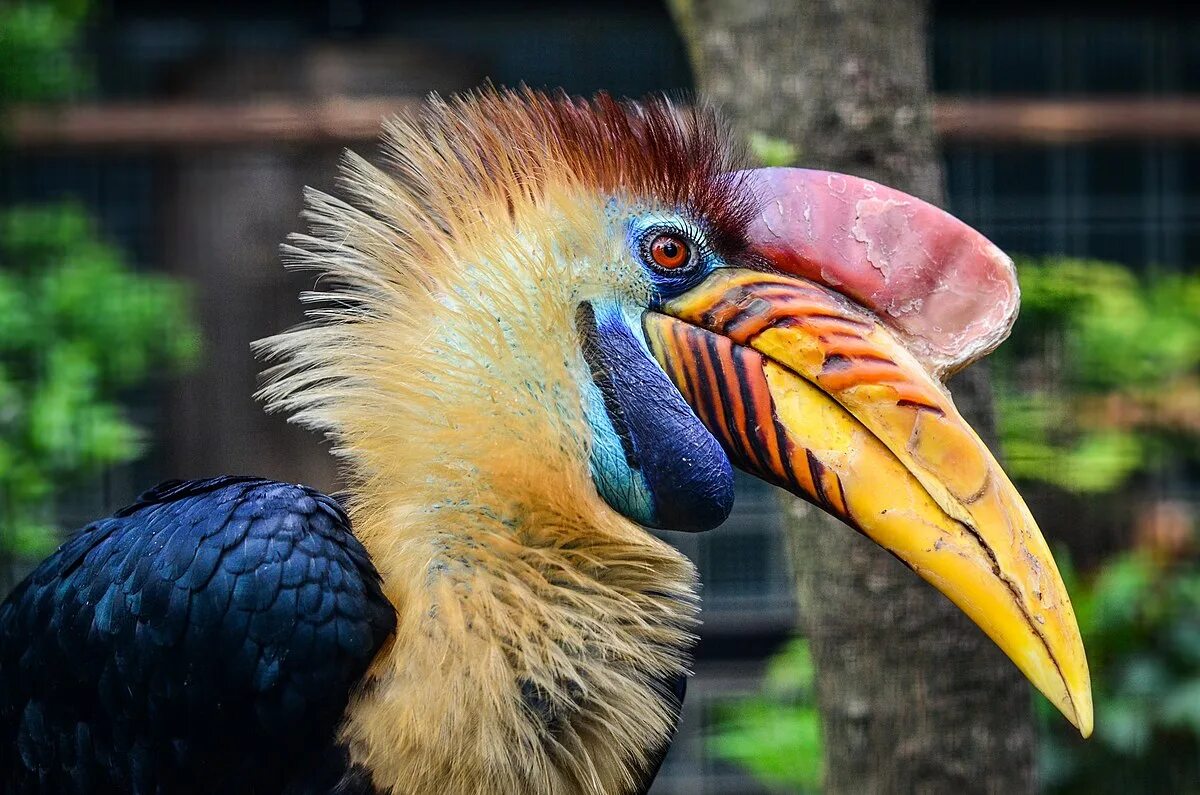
pixel 650 150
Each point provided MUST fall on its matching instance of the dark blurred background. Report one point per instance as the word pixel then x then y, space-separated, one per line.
pixel 157 152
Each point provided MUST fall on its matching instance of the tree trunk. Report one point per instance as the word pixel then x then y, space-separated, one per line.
pixel 913 697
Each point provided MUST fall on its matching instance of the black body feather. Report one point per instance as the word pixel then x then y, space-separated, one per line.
pixel 205 639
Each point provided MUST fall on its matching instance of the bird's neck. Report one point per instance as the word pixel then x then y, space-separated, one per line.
pixel 531 648
pixel 537 628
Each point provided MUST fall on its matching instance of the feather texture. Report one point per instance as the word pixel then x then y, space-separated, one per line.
pixel 540 634
pixel 205 639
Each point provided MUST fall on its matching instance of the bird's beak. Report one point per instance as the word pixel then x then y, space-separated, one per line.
pixel 816 393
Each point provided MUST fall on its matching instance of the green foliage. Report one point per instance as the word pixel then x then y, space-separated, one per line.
pixel 1040 443
pixel 776 734
pixel 1101 382
pixel 36 39
pixel 78 329
pixel 769 151
pixel 1101 374
pixel 1140 620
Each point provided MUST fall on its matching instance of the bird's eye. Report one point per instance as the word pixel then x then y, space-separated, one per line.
pixel 669 251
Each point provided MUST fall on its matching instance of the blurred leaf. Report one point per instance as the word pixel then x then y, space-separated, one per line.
pixel 1181 706
pixel 1098 378
pixel 1185 640
pixel 776 735
pixel 1124 727
pixel 1119 593
pixel 33 541
pixel 1141 628
pixel 78 328
pixel 1144 676
pixel 771 151
pixel 1099 461
pixel 778 744
pixel 36 43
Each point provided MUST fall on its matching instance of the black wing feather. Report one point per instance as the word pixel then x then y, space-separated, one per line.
pixel 204 639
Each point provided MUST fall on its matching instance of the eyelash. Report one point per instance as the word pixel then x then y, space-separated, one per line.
pixel 694 240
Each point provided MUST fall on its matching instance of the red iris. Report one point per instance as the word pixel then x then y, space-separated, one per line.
pixel 669 251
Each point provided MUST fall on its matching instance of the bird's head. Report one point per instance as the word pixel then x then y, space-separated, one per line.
pixel 555 302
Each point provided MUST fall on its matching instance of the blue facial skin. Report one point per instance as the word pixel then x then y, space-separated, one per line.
pixel 642 228
pixel 652 459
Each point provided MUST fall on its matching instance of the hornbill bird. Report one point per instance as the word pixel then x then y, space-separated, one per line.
pixel 544 325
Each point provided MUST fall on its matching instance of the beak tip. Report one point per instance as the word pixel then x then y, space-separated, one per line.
pixel 1073 697
pixel 1083 713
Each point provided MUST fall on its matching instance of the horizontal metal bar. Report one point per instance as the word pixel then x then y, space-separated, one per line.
pixel 341 120
pixel 198 124
pixel 1051 121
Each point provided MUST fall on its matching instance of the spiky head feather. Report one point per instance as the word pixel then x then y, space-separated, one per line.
pixel 442 359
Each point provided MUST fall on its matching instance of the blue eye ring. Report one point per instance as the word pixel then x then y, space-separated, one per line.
pixel 669 251
pixel 674 274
